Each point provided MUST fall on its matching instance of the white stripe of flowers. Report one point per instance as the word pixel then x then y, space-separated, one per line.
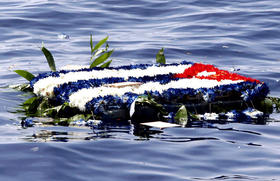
pixel 80 98
pixel 45 87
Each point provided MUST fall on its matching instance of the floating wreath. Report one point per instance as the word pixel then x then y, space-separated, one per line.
pixel 180 92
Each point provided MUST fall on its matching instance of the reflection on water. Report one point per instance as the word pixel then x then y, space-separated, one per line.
pixel 129 131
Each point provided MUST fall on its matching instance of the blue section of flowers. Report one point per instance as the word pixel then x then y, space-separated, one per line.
pixel 100 104
pixel 63 92
pixel 28 122
pixel 260 90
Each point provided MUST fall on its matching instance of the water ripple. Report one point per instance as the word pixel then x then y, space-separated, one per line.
pixel 230 34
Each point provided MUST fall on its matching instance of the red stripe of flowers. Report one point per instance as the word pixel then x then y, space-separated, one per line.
pixel 220 74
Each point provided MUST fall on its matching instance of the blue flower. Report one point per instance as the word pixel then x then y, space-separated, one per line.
pixel 28 122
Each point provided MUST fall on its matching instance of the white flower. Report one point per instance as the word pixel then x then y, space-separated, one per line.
pixel 81 97
pixel 48 84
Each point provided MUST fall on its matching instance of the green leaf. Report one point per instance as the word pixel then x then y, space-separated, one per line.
pixel 30 101
pixel 91 44
pixel 106 47
pixel 101 59
pixel 43 106
pixel 160 58
pixel 49 58
pixel 31 105
pixel 27 75
pixel 99 44
pixel 268 103
pixel 107 64
pixel 181 116
pixel 97 53
pixel 148 100
pixel 267 106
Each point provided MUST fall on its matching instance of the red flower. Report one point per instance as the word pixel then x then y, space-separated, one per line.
pixel 192 72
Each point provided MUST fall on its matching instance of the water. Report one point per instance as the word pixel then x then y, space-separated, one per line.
pixel 230 34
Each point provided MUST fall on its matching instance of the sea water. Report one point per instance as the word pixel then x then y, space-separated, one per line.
pixel 237 35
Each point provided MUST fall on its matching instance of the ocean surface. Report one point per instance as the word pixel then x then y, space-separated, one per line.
pixel 235 34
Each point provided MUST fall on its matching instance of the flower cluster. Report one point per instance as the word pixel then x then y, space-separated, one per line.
pixel 81 97
pixel 216 74
pixel 176 95
pixel 257 92
pixel 44 86
pixel 63 92
pixel 124 67
pixel 88 90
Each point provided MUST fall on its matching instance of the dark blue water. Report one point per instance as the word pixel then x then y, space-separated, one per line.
pixel 230 34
